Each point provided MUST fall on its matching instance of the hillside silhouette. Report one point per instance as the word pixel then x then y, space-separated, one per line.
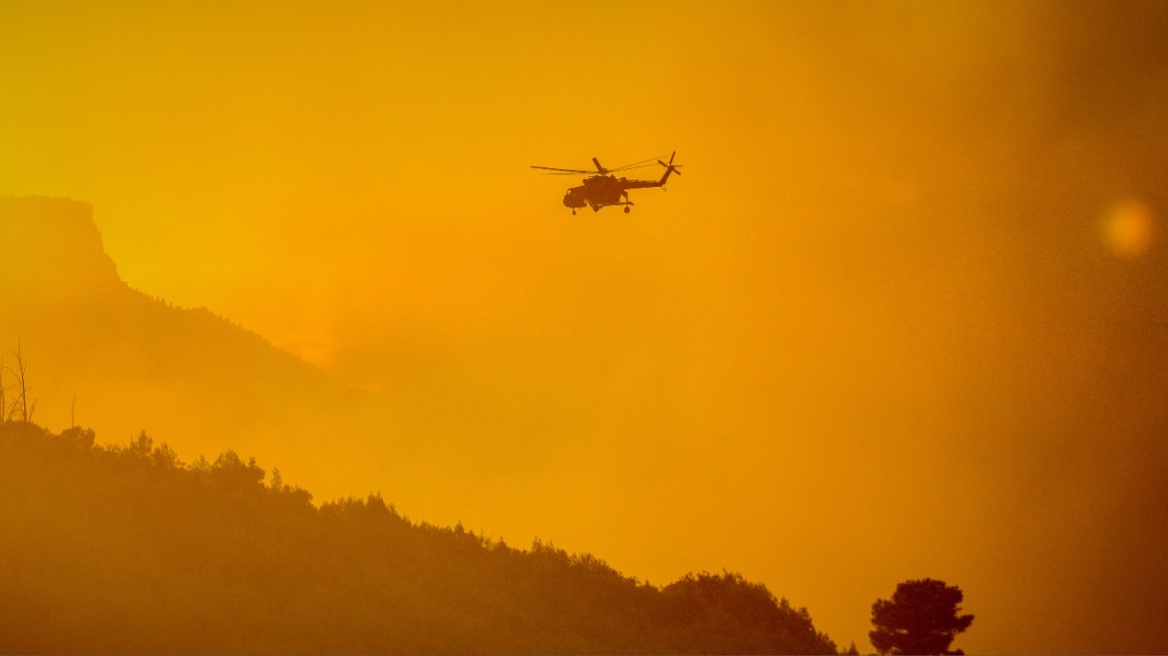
pixel 127 549
pixel 109 543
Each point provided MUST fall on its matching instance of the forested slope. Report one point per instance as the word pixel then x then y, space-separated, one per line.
pixel 127 549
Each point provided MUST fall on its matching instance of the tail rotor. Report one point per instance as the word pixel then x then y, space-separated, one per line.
pixel 671 165
pixel 669 168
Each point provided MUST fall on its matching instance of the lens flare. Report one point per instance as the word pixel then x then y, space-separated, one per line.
pixel 1129 228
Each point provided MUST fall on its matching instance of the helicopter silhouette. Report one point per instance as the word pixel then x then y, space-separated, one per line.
pixel 605 189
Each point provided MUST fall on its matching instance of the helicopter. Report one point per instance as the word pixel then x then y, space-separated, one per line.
pixel 605 189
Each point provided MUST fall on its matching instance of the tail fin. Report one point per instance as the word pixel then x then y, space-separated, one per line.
pixel 669 168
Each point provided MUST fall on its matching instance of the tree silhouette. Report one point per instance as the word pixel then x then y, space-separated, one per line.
pixel 3 398
pixel 922 618
pixel 20 406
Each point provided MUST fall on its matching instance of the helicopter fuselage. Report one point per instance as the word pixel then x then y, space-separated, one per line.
pixel 606 189
pixel 597 191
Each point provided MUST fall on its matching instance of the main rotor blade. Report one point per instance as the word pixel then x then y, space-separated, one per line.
pixel 548 168
pixel 638 164
pixel 600 169
pixel 630 167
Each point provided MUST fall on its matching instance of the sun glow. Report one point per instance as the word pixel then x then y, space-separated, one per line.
pixel 1130 228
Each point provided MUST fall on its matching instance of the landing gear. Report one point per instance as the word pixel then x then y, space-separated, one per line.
pixel 628 203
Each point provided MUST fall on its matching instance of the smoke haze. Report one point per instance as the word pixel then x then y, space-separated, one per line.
pixel 903 315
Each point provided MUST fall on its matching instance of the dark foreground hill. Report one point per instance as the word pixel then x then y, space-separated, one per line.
pixel 126 549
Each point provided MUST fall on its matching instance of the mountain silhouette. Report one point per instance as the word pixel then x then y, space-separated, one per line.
pixel 127 550
pixel 117 359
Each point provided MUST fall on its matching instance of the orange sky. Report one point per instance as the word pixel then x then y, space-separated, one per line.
pixel 901 316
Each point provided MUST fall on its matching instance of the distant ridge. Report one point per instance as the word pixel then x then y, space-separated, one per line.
pixel 35 231
pixel 191 376
pixel 53 251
